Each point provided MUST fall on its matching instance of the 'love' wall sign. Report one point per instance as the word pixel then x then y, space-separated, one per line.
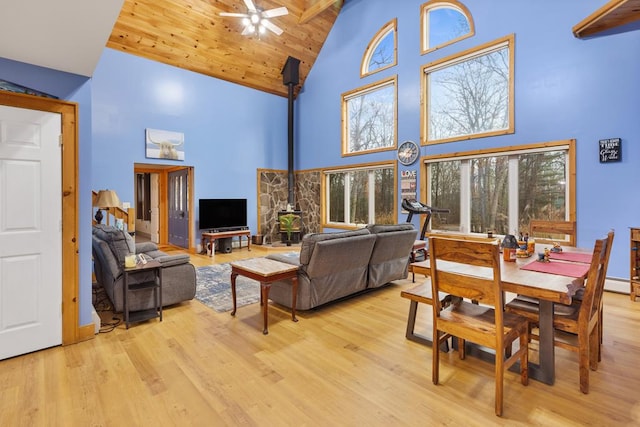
pixel 610 150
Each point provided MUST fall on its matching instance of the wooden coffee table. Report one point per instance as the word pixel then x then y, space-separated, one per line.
pixel 265 271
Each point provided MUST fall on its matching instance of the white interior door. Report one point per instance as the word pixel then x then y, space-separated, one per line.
pixel 30 231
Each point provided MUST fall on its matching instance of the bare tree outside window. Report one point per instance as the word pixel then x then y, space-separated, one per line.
pixel 381 51
pixel 384 53
pixel 542 184
pixel 445 194
pixel 490 194
pixel 531 182
pixel 361 196
pixel 469 95
pixel 336 197
pixel 370 118
pixel 445 24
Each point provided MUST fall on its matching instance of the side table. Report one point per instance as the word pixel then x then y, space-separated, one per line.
pixel 265 271
pixel 155 283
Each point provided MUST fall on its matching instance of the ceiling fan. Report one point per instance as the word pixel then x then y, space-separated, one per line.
pixel 256 21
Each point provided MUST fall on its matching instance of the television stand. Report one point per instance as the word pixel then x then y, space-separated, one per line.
pixel 212 236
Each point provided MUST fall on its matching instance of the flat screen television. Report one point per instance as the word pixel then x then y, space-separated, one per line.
pixel 220 214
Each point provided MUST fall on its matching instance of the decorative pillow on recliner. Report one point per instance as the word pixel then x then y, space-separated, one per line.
pixel 119 241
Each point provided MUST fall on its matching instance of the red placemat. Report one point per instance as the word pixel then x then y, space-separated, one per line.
pixel 571 269
pixel 571 256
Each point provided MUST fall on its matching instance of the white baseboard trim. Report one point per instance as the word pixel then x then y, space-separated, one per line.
pixel 616 284
pixel 96 320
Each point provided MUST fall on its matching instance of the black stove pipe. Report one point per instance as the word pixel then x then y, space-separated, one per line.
pixel 290 182
pixel 290 77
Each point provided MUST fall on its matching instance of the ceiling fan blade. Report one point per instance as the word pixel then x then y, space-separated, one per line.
pixel 248 30
pixel 271 26
pixel 235 15
pixel 278 11
pixel 250 6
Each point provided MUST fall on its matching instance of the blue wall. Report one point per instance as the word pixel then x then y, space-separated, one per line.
pixel 564 88
pixel 229 130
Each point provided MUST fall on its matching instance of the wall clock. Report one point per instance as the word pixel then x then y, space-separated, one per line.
pixel 408 152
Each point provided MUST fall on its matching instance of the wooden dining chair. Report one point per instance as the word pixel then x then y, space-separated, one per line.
pixel 578 326
pixel 544 231
pixel 577 299
pixel 484 323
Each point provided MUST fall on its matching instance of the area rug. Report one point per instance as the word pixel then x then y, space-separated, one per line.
pixel 213 288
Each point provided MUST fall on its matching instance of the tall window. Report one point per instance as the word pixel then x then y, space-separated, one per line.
pixel 369 118
pixel 503 190
pixel 444 23
pixel 469 95
pixel 381 51
pixel 359 196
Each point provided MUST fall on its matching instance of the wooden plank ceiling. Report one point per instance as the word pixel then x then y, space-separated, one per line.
pixel 191 34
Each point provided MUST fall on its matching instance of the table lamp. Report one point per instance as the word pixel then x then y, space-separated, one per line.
pixel 106 199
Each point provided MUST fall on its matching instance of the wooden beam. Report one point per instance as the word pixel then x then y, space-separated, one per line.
pixel 613 14
pixel 316 8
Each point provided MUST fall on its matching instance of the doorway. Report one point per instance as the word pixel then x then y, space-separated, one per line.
pixel 164 204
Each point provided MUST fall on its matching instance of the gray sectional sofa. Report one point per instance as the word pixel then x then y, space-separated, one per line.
pixel 110 246
pixel 335 265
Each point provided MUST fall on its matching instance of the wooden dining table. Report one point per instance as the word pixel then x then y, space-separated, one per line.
pixel 549 288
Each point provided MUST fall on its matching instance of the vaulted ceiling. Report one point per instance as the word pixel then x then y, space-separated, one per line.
pixel 191 34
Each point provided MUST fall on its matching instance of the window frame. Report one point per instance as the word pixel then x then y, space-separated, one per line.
pixel 383 32
pixel 427 7
pixel 363 90
pixel 465 203
pixel 325 188
pixel 458 58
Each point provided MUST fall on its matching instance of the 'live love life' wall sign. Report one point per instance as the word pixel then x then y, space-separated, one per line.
pixel 610 150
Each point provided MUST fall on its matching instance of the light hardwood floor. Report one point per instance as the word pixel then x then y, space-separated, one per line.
pixel 347 364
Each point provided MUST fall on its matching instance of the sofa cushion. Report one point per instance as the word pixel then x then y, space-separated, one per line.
pixel 309 241
pixel 169 260
pixel 390 257
pixel 388 228
pixel 143 247
pixel 119 241
pixel 292 258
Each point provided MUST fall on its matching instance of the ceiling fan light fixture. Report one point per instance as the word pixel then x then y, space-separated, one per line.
pixel 256 21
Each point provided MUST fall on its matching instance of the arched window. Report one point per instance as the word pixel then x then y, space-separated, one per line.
pixel 444 23
pixel 381 51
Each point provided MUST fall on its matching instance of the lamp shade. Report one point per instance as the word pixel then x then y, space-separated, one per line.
pixel 107 199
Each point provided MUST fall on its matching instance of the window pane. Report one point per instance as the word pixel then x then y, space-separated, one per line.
pixel 490 195
pixel 336 197
pixel 385 196
pixel 445 194
pixel 359 197
pixel 383 54
pixel 371 120
pixel 541 185
pixel 445 24
pixel 470 97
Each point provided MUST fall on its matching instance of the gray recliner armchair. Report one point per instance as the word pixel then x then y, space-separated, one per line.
pixel 110 246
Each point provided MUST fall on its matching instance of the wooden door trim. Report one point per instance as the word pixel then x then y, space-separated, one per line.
pixel 163 188
pixel 71 331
